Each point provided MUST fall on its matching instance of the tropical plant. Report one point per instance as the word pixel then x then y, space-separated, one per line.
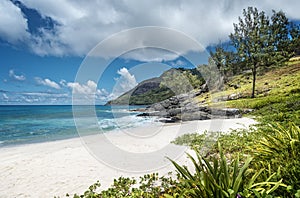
pixel 218 178
pixel 279 148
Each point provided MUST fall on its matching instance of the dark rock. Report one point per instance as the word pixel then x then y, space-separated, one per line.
pixel 157 107
pixel 138 110
pixel 158 113
pixel 232 112
pixel 195 116
pixel 245 111
pixel 174 112
pixel 143 114
pixel 236 86
pixel 226 112
pixel 182 107
pixel 204 88
pixel 169 120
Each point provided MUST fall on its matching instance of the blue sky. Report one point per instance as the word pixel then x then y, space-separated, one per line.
pixel 43 43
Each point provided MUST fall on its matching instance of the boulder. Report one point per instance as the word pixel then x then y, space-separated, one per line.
pixel 174 112
pixel 169 120
pixel 195 116
pixel 234 96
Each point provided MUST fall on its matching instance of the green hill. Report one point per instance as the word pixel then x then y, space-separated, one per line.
pixel 160 88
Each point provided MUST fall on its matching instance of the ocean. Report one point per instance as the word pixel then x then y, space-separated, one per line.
pixel 23 124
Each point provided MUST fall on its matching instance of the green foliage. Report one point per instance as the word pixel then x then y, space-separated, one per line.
pixel 193 140
pixel 235 144
pixel 261 42
pixel 218 178
pixel 90 193
pixel 226 61
pixel 275 149
pixel 151 97
pixel 181 80
pixel 149 186
pixel 279 148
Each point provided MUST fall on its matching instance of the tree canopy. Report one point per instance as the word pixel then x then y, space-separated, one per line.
pixel 258 42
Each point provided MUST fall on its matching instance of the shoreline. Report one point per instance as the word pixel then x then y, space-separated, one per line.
pixel 66 166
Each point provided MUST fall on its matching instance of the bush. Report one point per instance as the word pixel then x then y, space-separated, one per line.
pixel 218 178
pixel 279 148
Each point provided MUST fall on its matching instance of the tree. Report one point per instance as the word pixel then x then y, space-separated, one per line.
pixel 251 39
pixel 295 36
pixel 225 60
pixel 259 41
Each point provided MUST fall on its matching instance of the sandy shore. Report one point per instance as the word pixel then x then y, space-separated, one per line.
pixel 70 166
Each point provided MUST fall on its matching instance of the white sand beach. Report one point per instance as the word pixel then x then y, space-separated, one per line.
pixel 70 166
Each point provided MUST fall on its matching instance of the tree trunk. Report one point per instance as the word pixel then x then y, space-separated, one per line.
pixel 254 80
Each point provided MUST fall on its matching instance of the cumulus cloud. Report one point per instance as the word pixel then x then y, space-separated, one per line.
pixel 80 26
pixel 13 25
pixel 85 93
pixel 47 82
pixel 12 75
pixel 124 83
pixel 89 88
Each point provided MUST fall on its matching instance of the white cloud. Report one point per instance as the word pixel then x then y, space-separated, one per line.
pixel 150 55
pixel 80 25
pixel 5 97
pixel 35 97
pixel 124 83
pixel 178 63
pixel 47 82
pixel 89 88
pixel 63 83
pixel 12 74
pixel 45 94
pixel 13 25
pixel 88 91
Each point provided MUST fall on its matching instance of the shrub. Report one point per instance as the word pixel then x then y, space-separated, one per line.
pixel 218 178
pixel 279 148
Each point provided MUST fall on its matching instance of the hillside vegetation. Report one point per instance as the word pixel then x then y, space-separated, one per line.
pixel 277 94
pixel 172 82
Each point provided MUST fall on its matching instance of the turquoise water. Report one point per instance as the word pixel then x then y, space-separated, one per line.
pixel 30 124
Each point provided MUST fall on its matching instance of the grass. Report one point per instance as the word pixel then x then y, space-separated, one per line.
pixel 277 95
pixel 277 82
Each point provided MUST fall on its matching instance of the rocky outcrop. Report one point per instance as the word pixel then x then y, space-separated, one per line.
pixel 183 108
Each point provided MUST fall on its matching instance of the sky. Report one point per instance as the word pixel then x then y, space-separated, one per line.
pixel 45 44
